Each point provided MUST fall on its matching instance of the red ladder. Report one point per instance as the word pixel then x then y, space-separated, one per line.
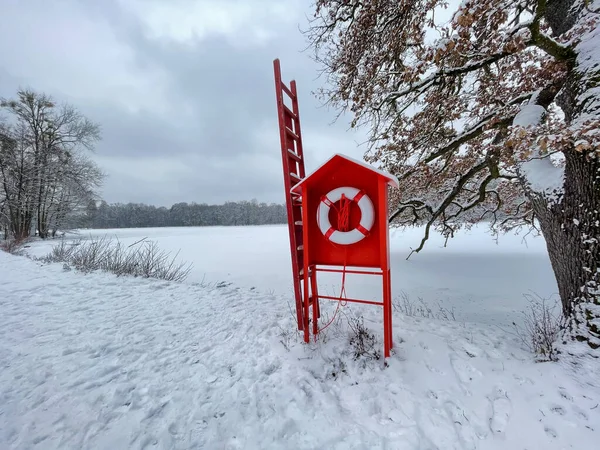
pixel 293 172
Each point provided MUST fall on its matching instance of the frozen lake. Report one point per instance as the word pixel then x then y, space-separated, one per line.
pixel 481 279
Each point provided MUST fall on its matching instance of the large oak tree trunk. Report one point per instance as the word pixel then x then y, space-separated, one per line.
pixel 571 229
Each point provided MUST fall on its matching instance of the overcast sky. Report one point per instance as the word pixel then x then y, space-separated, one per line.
pixel 183 90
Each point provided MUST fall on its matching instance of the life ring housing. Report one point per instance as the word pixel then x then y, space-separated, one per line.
pixel 367 217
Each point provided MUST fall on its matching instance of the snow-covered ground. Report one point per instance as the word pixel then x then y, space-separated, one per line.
pixel 99 362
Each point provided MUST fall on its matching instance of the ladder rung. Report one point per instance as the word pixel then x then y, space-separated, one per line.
pixel 292 134
pixel 294 155
pixel 290 112
pixel 285 89
pixel 300 248
pixel 298 223
pixel 297 177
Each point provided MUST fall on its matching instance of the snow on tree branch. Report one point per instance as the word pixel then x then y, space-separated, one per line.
pixel 540 174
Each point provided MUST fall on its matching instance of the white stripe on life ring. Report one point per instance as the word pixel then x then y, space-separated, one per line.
pixel 367 217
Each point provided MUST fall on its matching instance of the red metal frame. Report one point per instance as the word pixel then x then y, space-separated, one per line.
pixel 292 156
pixel 358 272
pixel 384 265
pixel 351 300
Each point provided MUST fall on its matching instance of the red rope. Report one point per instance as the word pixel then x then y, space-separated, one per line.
pixel 344 213
pixel 343 220
pixel 340 302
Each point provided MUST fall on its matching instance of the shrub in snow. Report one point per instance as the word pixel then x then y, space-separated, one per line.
pixel 363 342
pixel 141 259
pixel 338 368
pixel 408 307
pixel 287 337
pixel 12 246
pixel 542 324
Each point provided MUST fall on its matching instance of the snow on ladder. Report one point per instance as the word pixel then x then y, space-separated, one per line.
pixel 293 172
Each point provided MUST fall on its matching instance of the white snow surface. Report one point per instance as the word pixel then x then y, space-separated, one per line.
pixel 93 361
pixel 529 115
pixel 543 176
pixel 588 61
pixel 539 171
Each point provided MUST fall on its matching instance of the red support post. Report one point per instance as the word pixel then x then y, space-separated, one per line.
pixel 384 254
pixel 306 268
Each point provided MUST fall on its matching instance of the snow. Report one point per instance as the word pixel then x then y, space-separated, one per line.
pixel 529 115
pixel 588 52
pixel 541 174
pixel 588 62
pixel 96 361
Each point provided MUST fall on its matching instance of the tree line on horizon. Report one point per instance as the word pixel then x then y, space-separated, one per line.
pixel 140 215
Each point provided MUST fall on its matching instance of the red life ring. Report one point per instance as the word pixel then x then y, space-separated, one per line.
pixel 367 217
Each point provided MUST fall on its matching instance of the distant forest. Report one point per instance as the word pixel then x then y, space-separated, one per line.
pixel 100 214
pixel 139 215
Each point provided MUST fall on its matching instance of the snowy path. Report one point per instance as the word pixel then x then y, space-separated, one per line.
pixel 99 362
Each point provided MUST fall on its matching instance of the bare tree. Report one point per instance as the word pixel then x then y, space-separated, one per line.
pixel 43 168
pixel 70 189
pixel 490 111
pixel 18 184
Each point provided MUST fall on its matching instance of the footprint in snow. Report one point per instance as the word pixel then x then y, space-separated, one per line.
pixel 564 394
pixel 271 369
pixel 462 425
pixel 401 418
pixel 523 380
pixel 472 351
pixel 434 369
pixel 463 369
pixel 233 443
pixel 501 410
pixel 580 413
pixel 550 432
pixel 557 409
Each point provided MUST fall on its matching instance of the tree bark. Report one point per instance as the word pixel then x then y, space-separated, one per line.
pixel 561 15
pixel 571 229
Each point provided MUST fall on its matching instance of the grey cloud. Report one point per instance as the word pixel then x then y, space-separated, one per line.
pixel 221 130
